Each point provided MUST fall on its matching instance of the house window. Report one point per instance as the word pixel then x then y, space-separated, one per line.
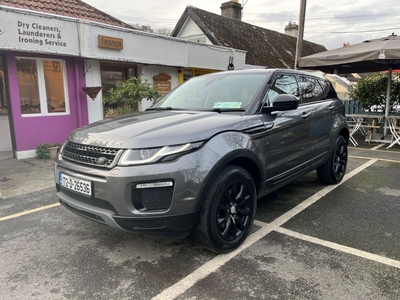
pixel 42 86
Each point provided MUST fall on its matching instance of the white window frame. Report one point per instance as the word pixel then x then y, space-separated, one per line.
pixel 197 38
pixel 42 88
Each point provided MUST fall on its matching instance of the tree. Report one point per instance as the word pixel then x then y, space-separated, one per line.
pixel 126 94
pixel 371 91
pixel 164 31
pixel 147 28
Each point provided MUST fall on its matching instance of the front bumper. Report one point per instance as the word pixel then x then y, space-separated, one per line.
pixel 160 211
pixel 173 226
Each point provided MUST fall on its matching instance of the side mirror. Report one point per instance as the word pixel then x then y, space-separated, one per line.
pixel 281 103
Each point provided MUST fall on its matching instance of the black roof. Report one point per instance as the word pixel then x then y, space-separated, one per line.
pixel 264 47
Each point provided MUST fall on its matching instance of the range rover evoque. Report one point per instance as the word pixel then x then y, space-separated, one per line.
pixel 198 159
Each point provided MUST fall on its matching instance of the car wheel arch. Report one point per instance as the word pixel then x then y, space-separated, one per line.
pixel 345 133
pixel 243 158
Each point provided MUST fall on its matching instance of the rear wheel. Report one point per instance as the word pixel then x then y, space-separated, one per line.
pixel 333 170
pixel 228 210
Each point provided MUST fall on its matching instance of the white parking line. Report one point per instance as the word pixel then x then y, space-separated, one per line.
pixel 345 249
pixel 211 266
pixel 377 147
pixel 380 159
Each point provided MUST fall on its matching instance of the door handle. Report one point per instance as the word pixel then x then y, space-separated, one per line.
pixel 331 107
pixel 305 115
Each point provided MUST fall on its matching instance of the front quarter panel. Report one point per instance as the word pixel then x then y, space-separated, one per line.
pixel 235 145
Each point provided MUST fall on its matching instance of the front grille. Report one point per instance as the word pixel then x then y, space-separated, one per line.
pixel 91 155
pixel 152 198
pixel 90 201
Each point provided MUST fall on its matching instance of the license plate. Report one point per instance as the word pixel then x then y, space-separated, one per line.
pixel 75 184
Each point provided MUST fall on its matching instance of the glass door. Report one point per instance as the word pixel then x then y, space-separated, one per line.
pixel 110 75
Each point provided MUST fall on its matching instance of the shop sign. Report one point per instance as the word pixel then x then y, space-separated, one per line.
pixel 110 42
pixel 29 32
pixel 162 83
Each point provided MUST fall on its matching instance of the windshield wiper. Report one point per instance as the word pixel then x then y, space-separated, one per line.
pixel 166 108
pixel 221 109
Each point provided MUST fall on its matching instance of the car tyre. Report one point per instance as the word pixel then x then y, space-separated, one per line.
pixel 228 211
pixel 333 170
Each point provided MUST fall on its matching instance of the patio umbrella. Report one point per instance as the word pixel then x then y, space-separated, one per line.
pixel 369 56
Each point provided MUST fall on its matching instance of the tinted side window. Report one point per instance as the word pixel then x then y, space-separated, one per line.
pixel 310 89
pixel 283 84
pixel 328 89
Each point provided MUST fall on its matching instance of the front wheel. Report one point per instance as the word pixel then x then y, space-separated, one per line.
pixel 228 210
pixel 333 170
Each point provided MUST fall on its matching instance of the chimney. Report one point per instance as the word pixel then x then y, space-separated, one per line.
pixel 292 29
pixel 232 9
pixel 346 44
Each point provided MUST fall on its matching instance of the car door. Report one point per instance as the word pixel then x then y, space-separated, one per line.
pixel 313 99
pixel 287 150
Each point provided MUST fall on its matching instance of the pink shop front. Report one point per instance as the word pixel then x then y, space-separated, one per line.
pixel 41 75
pixel 45 60
pixel 42 100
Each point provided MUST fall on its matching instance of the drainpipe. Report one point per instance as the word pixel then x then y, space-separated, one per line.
pixel 79 29
pixel 77 87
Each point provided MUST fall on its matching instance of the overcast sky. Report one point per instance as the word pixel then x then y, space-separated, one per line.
pixel 328 22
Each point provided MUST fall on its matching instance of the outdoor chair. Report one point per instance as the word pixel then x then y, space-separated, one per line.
pixel 395 132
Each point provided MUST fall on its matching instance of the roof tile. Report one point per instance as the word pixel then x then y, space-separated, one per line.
pixel 264 47
pixel 69 8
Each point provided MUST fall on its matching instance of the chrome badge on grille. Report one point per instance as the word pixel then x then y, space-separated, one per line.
pixel 101 160
pixel 94 141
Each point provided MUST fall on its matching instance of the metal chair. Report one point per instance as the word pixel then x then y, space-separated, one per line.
pixel 395 132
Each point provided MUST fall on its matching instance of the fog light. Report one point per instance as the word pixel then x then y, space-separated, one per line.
pixel 154 184
pixel 152 196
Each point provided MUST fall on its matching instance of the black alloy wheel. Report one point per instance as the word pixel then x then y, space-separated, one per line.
pixel 334 169
pixel 228 210
pixel 340 160
pixel 234 210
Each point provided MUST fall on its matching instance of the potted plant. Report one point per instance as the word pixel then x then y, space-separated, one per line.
pixel 53 149
pixel 46 150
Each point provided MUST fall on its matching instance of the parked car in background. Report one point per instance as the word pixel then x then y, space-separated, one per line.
pixel 381 108
pixel 200 157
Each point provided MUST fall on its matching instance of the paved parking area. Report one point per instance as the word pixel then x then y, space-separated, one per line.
pixel 309 241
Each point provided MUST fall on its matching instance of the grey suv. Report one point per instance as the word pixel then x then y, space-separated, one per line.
pixel 200 157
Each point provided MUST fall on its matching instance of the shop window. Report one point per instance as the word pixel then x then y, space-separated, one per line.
pixel 109 79
pixel 42 85
pixel 187 74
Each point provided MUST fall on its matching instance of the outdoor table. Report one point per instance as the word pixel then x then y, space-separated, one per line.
pixel 366 124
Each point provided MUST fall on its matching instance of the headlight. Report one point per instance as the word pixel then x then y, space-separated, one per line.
pixel 152 155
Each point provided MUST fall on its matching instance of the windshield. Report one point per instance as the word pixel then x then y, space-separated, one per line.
pixel 213 92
